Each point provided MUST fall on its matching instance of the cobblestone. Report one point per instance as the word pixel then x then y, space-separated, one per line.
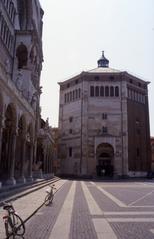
pixel 82 222
pixel 81 226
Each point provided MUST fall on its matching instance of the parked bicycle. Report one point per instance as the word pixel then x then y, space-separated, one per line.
pixel 50 194
pixel 14 225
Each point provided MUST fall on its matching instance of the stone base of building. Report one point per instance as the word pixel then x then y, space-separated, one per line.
pixel 29 179
pixel 38 174
pixel 137 174
pixel 11 181
pixel 21 180
pixel 67 175
pixel 48 175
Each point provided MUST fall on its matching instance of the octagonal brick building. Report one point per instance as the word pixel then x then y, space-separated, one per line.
pixel 104 124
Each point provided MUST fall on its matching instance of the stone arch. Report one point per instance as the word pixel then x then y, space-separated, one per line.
pixel 22 55
pixel 7 140
pixel 11 116
pixel 105 159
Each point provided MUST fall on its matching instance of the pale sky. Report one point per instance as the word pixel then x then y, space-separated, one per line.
pixel 75 33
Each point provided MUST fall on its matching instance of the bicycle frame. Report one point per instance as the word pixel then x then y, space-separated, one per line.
pixel 12 221
pixel 50 195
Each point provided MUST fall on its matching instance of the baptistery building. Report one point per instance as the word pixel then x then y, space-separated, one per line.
pixel 20 68
pixel 104 124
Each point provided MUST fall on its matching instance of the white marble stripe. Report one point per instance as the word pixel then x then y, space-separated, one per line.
pixel 61 229
pixel 130 219
pixel 92 205
pixel 109 195
pixel 152 230
pixel 146 195
pixel 148 206
pixel 103 229
pixel 129 213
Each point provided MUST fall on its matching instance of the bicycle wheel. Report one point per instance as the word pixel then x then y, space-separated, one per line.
pixel 9 228
pixel 47 200
pixel 51 199
pixel 18 224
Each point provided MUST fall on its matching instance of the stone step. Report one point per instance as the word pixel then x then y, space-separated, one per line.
pixel 10 193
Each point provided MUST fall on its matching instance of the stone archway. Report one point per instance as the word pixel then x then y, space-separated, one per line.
pixel 8 143
pixel 105 160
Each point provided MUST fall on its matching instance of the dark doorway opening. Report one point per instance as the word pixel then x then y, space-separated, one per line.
pixel 105 154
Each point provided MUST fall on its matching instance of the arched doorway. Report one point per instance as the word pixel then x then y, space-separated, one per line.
pixel 105 157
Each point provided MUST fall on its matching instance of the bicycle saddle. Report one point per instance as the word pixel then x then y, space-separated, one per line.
pixel 8 206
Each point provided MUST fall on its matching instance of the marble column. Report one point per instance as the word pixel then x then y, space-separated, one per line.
pixel 22 173
pixel 11 180
pixel 30 177
pixel 1 132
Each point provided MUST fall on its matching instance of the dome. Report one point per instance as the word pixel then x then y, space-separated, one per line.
pixel 103 62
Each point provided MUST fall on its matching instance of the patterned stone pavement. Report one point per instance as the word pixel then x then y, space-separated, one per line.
pixel 90 210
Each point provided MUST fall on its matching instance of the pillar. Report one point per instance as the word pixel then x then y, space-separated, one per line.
pixel 1 132
pixel 23 147
pixel 11 179
pixel 30 177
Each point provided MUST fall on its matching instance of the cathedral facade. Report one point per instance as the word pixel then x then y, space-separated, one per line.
pixel 20 68
pixel 104 124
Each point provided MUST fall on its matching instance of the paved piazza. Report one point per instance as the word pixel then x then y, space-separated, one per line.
pixel 92 210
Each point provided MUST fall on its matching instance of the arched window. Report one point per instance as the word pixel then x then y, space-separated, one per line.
pixel 7 3
pixel 0 21
pixel 10 7
pixel 71 96
pixel 102 91
pixel 96 91
pixel 4 31
pixel 91 91
pixel 12 11
pixel 133 95
pixel 136 96
pixel 9 41
pixel 116 91
pixel 67 96
pixel 76 92
pixel 106 91
pixel 111 91
pixel 22 55
pixel 129 94
pixel 1 26
pixel 7 37
pixel 104 130
pixel 79 93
